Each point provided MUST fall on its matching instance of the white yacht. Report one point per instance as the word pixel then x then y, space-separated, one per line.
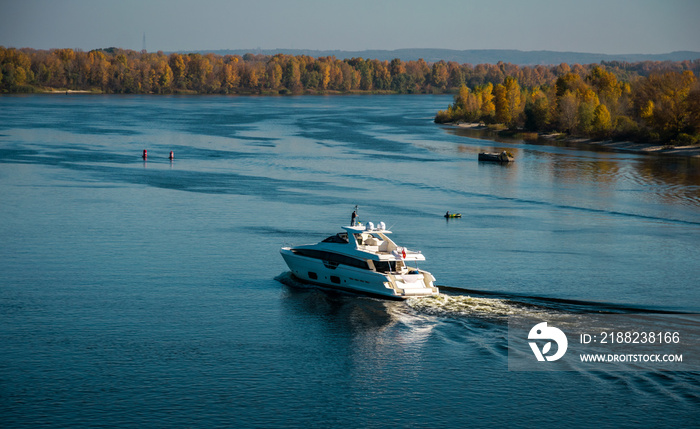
pixel 361 259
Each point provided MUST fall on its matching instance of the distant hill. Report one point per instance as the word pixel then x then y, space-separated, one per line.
pixel 473 56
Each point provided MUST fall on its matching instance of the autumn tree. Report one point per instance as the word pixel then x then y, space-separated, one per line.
pixel 507 100
pixel 568 107
pixel 120 79
pixel 199 68
pixel 456 75
pixel 440 75
pixel 397 67
pixel 587 103
pixel 251 77
pixel 537 111
pixel 467 105
pixel 694 109
pixel 366 74
pixel 655 100
pixel 98 69
pixel 336 73
pixel 662 101
pixel 350 77
pixel 274 73
pixel 569 82
pixel 418 71
pixel 382 76
pixel 177 66
pixel 291 77
pixel 486 101
pixel 605 85
pixel 601 124
pixel 324 69
pixel 15 67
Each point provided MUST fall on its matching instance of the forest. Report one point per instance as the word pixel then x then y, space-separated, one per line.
pixel 650 100
pixel 662 107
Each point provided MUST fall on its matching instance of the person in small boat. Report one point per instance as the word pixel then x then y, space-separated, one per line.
pixel 447 214
pixel 353 218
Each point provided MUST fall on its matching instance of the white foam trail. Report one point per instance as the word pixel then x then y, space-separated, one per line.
pixel 465 305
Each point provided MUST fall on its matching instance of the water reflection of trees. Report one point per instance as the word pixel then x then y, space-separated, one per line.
pixel 676 179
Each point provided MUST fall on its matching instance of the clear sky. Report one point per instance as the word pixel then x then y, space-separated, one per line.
pixel 594 26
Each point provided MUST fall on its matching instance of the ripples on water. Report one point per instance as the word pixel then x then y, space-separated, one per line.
pixel 479 324
pixel 143 294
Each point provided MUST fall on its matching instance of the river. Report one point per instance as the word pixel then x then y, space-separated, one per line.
pixel 151 293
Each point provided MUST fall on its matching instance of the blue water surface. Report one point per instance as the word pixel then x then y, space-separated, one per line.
pixel 151 293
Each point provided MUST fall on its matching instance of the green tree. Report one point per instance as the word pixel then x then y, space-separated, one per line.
pixel 587 103
pixel 292 75
pixel 401 83
pixel 537 112
pixel 311 80
pixel 366 74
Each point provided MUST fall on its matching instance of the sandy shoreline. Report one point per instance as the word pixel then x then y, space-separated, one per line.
pixel 620 146
pixel 648 148
pixel 70 91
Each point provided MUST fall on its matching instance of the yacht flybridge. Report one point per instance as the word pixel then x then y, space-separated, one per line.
pixel 361 259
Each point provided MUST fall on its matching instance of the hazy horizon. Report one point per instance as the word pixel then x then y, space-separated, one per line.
pixel 610 27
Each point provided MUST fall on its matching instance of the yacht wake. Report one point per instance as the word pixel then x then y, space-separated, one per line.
pixel 456 302
pixel 465 305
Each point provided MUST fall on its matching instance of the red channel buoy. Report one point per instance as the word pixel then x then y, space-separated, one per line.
pixel 171 155
pixel 145 154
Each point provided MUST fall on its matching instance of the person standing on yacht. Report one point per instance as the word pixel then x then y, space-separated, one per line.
pixel 352 219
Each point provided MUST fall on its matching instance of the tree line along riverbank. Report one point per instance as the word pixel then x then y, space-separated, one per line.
pixel 663 107
pixel 115 70
pixel 645 101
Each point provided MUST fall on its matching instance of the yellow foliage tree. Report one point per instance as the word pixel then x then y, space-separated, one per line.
pixel 177 66
pixel 325 75
pixel 602 123
pixel 488 108
pixel 662 100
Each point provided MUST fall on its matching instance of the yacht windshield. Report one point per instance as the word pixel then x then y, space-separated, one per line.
pixel 341 237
